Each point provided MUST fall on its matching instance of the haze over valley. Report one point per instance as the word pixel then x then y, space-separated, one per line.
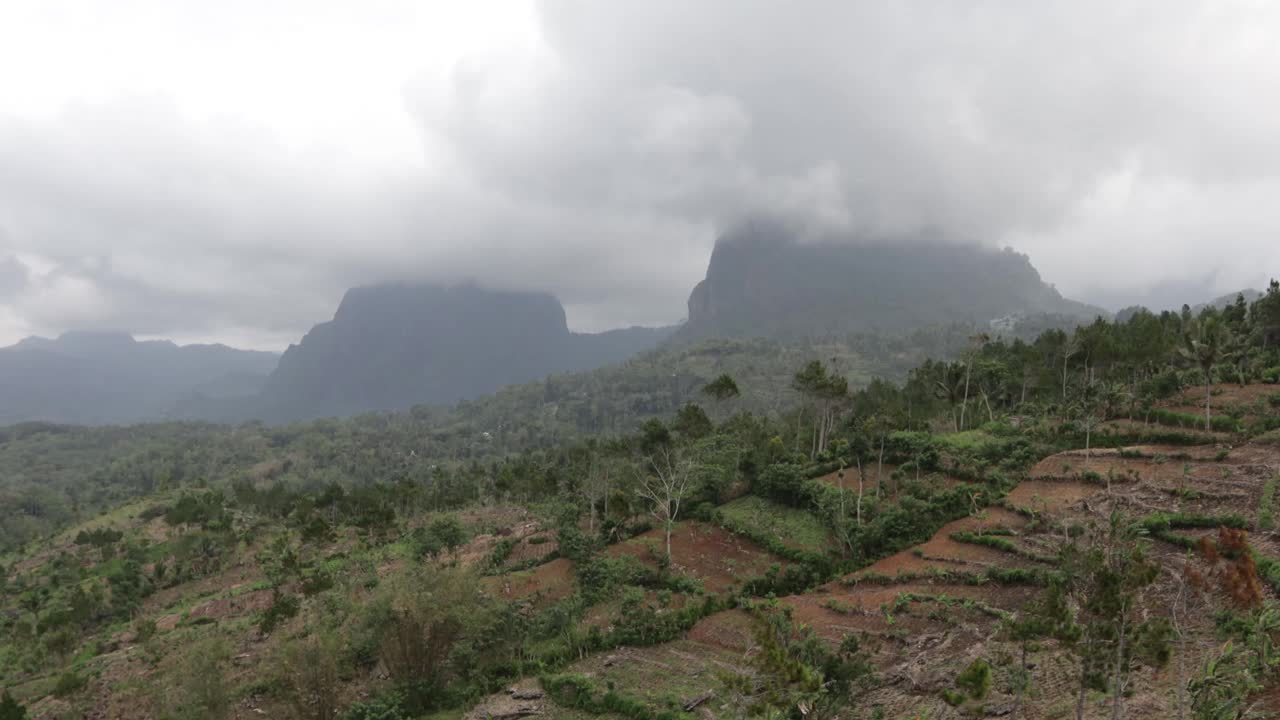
pixel 728 360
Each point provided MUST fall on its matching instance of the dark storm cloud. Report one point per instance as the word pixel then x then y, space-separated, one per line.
pixel 1120 144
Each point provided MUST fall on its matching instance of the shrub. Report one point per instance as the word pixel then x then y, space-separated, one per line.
pixel 386 707
pixel 1220 423
pixel 68 683
pixel 498 557
pixel 1265 519
pixel 283 607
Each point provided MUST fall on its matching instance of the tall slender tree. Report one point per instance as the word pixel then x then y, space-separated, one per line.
pixel 1204 341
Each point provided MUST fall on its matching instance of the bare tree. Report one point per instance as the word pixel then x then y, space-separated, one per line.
pixel 665 479
pixel 596 487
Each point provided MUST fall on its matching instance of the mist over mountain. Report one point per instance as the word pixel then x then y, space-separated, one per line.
pixel 391 347
pixel 761 282
pixel 108 377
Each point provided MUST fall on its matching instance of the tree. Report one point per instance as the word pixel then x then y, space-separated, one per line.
pixel 1265 315
pixel 449 531
pixel 1047 617
pixel 978 342
pixel 948 382
pixel 1108 577
pixel 197 688
pixel 10 709
pixel 428 613
pixel 1068 350
pixel 309 676
pixel 1087 410
pixel 692 422
pixel 824 391
pixel 722 388
pixel 665 480
pixel 597 485
pixel 1204 341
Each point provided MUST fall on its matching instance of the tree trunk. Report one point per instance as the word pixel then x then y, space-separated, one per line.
pixel 668 526
pixel 1181 600
pixel 1084 688
pixel 879 466
pixel 964 406
pixel 1024 679
pixel 861 483
pixel 1208 392
pixel 1064 379
pixel 1080 694
pixel 1117 698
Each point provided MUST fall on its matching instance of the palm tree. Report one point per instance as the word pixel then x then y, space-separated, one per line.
pixel 949 384
pixel 1204 341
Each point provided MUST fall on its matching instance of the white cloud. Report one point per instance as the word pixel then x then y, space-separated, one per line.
pixel 225 171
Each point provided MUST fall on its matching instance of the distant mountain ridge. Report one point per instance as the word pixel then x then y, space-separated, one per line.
pixel 760 282
pixel 111 378
pixel 390 347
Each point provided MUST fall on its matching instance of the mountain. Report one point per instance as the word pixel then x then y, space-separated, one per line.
pixel 760 282
pixel 1250 295
pixel 1221 302
pixel 107 377
pixel 390 347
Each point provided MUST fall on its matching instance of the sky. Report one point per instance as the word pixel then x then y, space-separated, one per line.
pixel 222 172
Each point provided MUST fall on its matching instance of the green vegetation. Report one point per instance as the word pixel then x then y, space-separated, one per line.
pixel 1266 505
pixel 287 567
pixel 774 525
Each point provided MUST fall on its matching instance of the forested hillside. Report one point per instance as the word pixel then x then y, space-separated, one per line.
pixel 64 473
pixel 1079 524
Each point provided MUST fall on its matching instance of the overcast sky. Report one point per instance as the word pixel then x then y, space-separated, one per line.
pixel 223 171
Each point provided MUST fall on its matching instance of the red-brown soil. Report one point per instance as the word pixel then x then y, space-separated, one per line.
pixel 716 557
pixel 546 583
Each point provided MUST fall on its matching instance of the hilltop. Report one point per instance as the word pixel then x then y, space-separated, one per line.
pixel 763 282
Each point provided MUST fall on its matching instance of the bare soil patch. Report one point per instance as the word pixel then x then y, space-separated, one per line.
pixel 1051 496
pixel 943 553
pixel 547 582
pixel 711 554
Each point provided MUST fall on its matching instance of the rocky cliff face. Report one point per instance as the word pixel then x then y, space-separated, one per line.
pixel 392 347
pixel 761 283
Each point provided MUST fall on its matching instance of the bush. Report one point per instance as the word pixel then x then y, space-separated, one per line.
pixel 68 683
pixel 1271 376
pixel 283 607
pixel 144 630
pixel 1266 520
pixel 577 692
pixel 498 557
pixel 784 483
pixel 1220 423
pixel 387 707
